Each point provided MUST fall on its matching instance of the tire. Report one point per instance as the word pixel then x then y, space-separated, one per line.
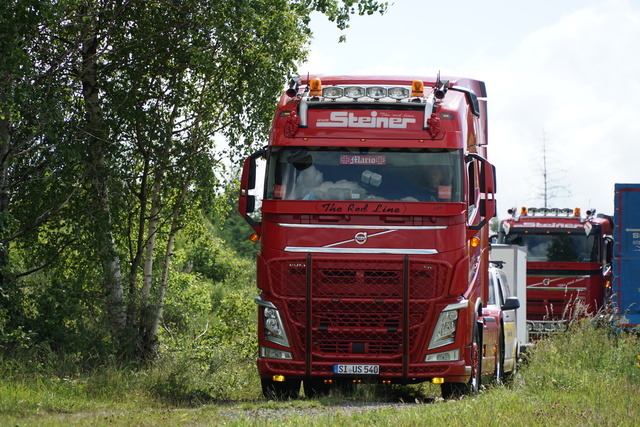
pixel 452 390
pixel 315 387
pixel 285 390
pixel 345 386
pixel 508 376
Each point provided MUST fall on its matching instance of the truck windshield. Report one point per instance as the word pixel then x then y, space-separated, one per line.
pixel 556 247
pixel 328 173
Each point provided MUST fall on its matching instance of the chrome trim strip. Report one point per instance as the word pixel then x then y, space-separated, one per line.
pixel 352 240
pixel 365 227
pixel 457 305
pixel 263 302
pixel 333 250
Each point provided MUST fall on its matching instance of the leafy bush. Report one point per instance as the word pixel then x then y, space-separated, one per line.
pixel 188 298
pixel 214 358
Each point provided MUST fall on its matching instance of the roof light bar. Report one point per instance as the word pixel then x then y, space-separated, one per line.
pixel 550 211
pixel 375 93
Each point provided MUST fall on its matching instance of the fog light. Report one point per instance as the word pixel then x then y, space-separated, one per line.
pixel 332 92
pixel 354 92
pixel 272 353
pixel 398 92
pixel 376 92
pixel 445 356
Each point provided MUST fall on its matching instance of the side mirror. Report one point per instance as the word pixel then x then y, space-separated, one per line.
pixel 487 186
pixel 511 303
pixel 608 241
pixel 247 201
pixel 251 204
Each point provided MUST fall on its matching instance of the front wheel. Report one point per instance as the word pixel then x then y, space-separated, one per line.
pixel 473 386
pixel 315 387
pixel 280 390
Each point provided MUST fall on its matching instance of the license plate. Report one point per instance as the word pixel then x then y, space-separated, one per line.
pixel 356 369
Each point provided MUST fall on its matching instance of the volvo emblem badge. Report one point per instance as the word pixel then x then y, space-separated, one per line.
pixel 361 238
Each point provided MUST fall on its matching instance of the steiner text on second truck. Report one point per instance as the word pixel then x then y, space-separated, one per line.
pixel 373 261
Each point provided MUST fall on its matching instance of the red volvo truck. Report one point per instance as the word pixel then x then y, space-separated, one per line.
pixel 373 230
pixel 569 269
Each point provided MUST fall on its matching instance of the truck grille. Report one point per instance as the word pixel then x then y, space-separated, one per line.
pixel 357 306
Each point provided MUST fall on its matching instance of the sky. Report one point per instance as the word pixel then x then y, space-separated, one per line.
pixel 563 77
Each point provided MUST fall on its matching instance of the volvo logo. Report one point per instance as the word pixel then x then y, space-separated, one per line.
pixel 297 264
pixel 361 238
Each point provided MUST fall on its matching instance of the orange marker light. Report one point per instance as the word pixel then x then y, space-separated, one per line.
pixel 475 242
pixel 255 237
pixel 417 88
pixel 315 87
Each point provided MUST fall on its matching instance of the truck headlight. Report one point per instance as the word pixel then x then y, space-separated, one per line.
pixel 445 331
pixel 273 327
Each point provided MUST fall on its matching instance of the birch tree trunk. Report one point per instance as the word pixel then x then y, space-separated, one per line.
pixel 150 340
pixel 104 236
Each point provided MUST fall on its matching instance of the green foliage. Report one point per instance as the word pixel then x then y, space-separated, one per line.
pixel 214 359
pixel 188 298
pixel 109 116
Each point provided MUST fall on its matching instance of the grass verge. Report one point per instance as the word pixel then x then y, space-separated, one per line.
pixel 587 376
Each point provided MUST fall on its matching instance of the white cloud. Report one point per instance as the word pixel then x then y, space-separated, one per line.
pixel 567 72
pixel 575 83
